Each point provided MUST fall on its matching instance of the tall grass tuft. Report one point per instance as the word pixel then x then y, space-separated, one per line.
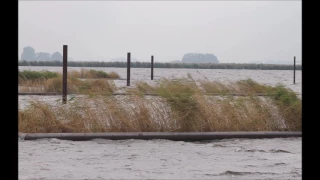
pixel 215 87
pixel 93 74
pixel 47 82
pixel 179 95
pixel 249 86
pixel 289 104
pixel 40 118
pixel 145 87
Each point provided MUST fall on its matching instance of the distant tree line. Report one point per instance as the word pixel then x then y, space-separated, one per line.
pixel 162 65
pixel 29 54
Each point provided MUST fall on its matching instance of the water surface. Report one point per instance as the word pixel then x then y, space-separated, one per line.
pixel 278 158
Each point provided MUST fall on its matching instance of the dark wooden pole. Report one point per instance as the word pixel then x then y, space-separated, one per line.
pixel 64 74
pixel 151 67
pixel 128 69
pixel 294 70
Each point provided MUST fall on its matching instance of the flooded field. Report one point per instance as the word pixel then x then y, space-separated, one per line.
pixel 277 159
pixel 268 77
pixel 245 159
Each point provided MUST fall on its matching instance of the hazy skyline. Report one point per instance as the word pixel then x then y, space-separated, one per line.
pixel 234 31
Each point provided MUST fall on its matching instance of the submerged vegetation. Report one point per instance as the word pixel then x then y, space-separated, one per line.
pixel 181 105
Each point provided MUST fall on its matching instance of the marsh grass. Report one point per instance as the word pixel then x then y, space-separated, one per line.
pixel 247 86
pixel 179 95
pixel 40 118
pixel 93 74
pixel 82 74
pixel 180 107
pixel 97 114
pixel 289 104
pixel 76 86
pixel 145 87
pixel 82 82
pixel 35 75
pixel 216 87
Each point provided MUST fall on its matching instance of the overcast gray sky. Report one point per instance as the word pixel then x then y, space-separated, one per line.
pixel 235 31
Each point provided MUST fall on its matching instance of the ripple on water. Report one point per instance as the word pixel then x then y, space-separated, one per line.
pixel 156 159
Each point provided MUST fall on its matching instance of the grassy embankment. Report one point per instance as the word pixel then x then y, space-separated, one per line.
pixel 181 106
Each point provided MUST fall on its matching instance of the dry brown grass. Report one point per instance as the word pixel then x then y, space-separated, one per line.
pixel 97 114
pixel 180 107
pixel 139 114
pixel 145 87
pixel 247 86
pixel 215 87
pixel 40 118
pixel 113 75
pixel 31 85
pixel 93 74
pixel 90 86
pixel 93 82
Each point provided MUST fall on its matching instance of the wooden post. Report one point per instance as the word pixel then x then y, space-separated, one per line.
pixel 128 69
pixel 294 70
pixel 64 74
pixel 151 67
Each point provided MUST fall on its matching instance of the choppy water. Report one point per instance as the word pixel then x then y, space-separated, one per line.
pixel 277 159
